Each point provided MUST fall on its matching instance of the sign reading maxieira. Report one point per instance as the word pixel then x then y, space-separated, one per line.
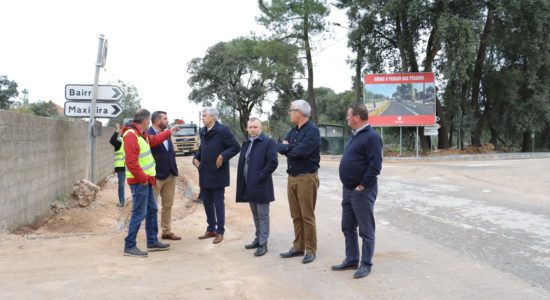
pixel 82 109
pixel 83 92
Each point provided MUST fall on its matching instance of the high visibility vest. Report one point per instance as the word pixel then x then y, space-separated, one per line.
pixel 119 157
pixel 146 160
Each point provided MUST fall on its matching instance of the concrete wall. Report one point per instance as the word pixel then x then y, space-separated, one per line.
pixel 40 160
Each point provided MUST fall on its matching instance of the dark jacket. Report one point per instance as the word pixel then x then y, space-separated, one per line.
pixel 164 159
pixel 362 159
pixel 302 151
pixel 219 140
pixel 262 162
pixel 117 144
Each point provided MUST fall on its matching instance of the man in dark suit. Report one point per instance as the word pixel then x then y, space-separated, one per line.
pixel 257 162
pixel 167 171
pixel 360 166
pixel 218 145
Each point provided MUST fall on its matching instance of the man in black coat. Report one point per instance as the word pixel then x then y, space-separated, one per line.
pixel 218 145
pixel 257 162
pixel 167 171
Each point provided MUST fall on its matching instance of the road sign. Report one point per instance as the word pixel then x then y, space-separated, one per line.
pixel 435 127
pixel 430 131
pixel 82 109
pixel 83 92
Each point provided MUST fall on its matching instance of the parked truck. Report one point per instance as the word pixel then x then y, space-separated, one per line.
pixel 187 139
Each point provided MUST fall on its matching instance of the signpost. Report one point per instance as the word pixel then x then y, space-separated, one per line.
pixel 432 130
pixel 83 109
pixel 110 93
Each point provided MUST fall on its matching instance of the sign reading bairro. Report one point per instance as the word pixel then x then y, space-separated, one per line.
pixel 396 100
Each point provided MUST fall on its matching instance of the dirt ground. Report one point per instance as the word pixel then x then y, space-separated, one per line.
pixel 77 254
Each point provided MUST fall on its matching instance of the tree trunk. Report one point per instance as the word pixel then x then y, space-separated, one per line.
pixel 525 142
pixel 310 93
pixel 451 132
pixel 358 75
pixel 494 136
pixel 442 137
pixel 478 73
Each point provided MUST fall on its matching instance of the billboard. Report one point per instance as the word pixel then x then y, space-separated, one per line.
pixel 406 99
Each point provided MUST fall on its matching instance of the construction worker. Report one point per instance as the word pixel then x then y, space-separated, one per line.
pixel 140 171
pixel 120 170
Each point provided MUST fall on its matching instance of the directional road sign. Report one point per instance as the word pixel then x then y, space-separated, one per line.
pixel 82 109
pixel 83 92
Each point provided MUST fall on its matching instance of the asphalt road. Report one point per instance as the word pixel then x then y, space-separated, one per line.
pixel 408 108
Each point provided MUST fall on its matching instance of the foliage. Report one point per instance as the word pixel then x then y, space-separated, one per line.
pixel 44 109
pixel 242 73
pixel 8 90
pixel 296 21
pixel 130 103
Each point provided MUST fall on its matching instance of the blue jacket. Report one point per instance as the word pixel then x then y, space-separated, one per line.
pixel 262 162
pixel 362 159
pixel 302 150
pixel 219 140
pixel 165 159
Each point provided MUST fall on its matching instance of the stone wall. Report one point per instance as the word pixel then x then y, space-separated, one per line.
pixel 40 159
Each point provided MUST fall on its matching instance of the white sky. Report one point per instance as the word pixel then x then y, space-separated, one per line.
pixel 48 44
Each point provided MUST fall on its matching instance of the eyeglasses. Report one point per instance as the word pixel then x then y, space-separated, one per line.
pixel 292 109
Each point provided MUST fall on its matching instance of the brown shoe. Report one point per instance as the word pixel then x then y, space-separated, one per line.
pixel 171 236
pixel 218 239
pixel 207 234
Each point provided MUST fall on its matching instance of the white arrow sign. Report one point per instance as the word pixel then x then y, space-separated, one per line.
pixel 82 109
pixel 434 127
pixel 111 93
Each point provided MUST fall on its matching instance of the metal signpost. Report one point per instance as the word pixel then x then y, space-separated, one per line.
pixel 93 100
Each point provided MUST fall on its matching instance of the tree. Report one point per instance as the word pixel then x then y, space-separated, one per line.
pixel 296 21
pixel 8 90
pixel 44 109
pixel 130 103
pixel 241 73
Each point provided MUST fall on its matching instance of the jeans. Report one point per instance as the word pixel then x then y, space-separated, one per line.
pixel 357 211
pixel 144 207
pixel 121 179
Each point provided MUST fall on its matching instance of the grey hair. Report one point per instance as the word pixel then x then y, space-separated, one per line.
pixel 141 115
pixel 254 119
pixel 211 111
pixel 302 106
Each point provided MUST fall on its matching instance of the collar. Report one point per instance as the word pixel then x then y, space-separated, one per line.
pixel 303 125
pixel 356 131
pixel 259 137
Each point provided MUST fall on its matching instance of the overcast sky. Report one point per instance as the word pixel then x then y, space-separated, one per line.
pixel 48 44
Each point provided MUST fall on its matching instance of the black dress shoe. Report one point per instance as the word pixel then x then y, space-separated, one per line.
pixel 252 245
pixel 291 253
pixel 363 271
pixel 346 265
pixel 308 258
pixel 261 250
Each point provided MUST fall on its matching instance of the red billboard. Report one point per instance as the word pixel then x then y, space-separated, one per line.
pixel 406 99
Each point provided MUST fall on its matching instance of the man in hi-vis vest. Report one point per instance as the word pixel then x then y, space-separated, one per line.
pixel 140 173
pixel 116 141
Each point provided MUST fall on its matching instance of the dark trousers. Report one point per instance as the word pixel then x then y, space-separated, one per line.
pixel 121 179
pixel 357 211
pixel 144 206
pixel 214 206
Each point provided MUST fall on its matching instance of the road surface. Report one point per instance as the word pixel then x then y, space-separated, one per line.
pixel 405 108
pixel 445 230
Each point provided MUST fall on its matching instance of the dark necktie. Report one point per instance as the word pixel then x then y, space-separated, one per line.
pixel 246 155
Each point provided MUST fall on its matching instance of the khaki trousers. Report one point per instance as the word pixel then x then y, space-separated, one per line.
pixel 302 196
pixel 166 188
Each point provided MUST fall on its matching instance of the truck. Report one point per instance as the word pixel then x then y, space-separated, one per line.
pixel 187 139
